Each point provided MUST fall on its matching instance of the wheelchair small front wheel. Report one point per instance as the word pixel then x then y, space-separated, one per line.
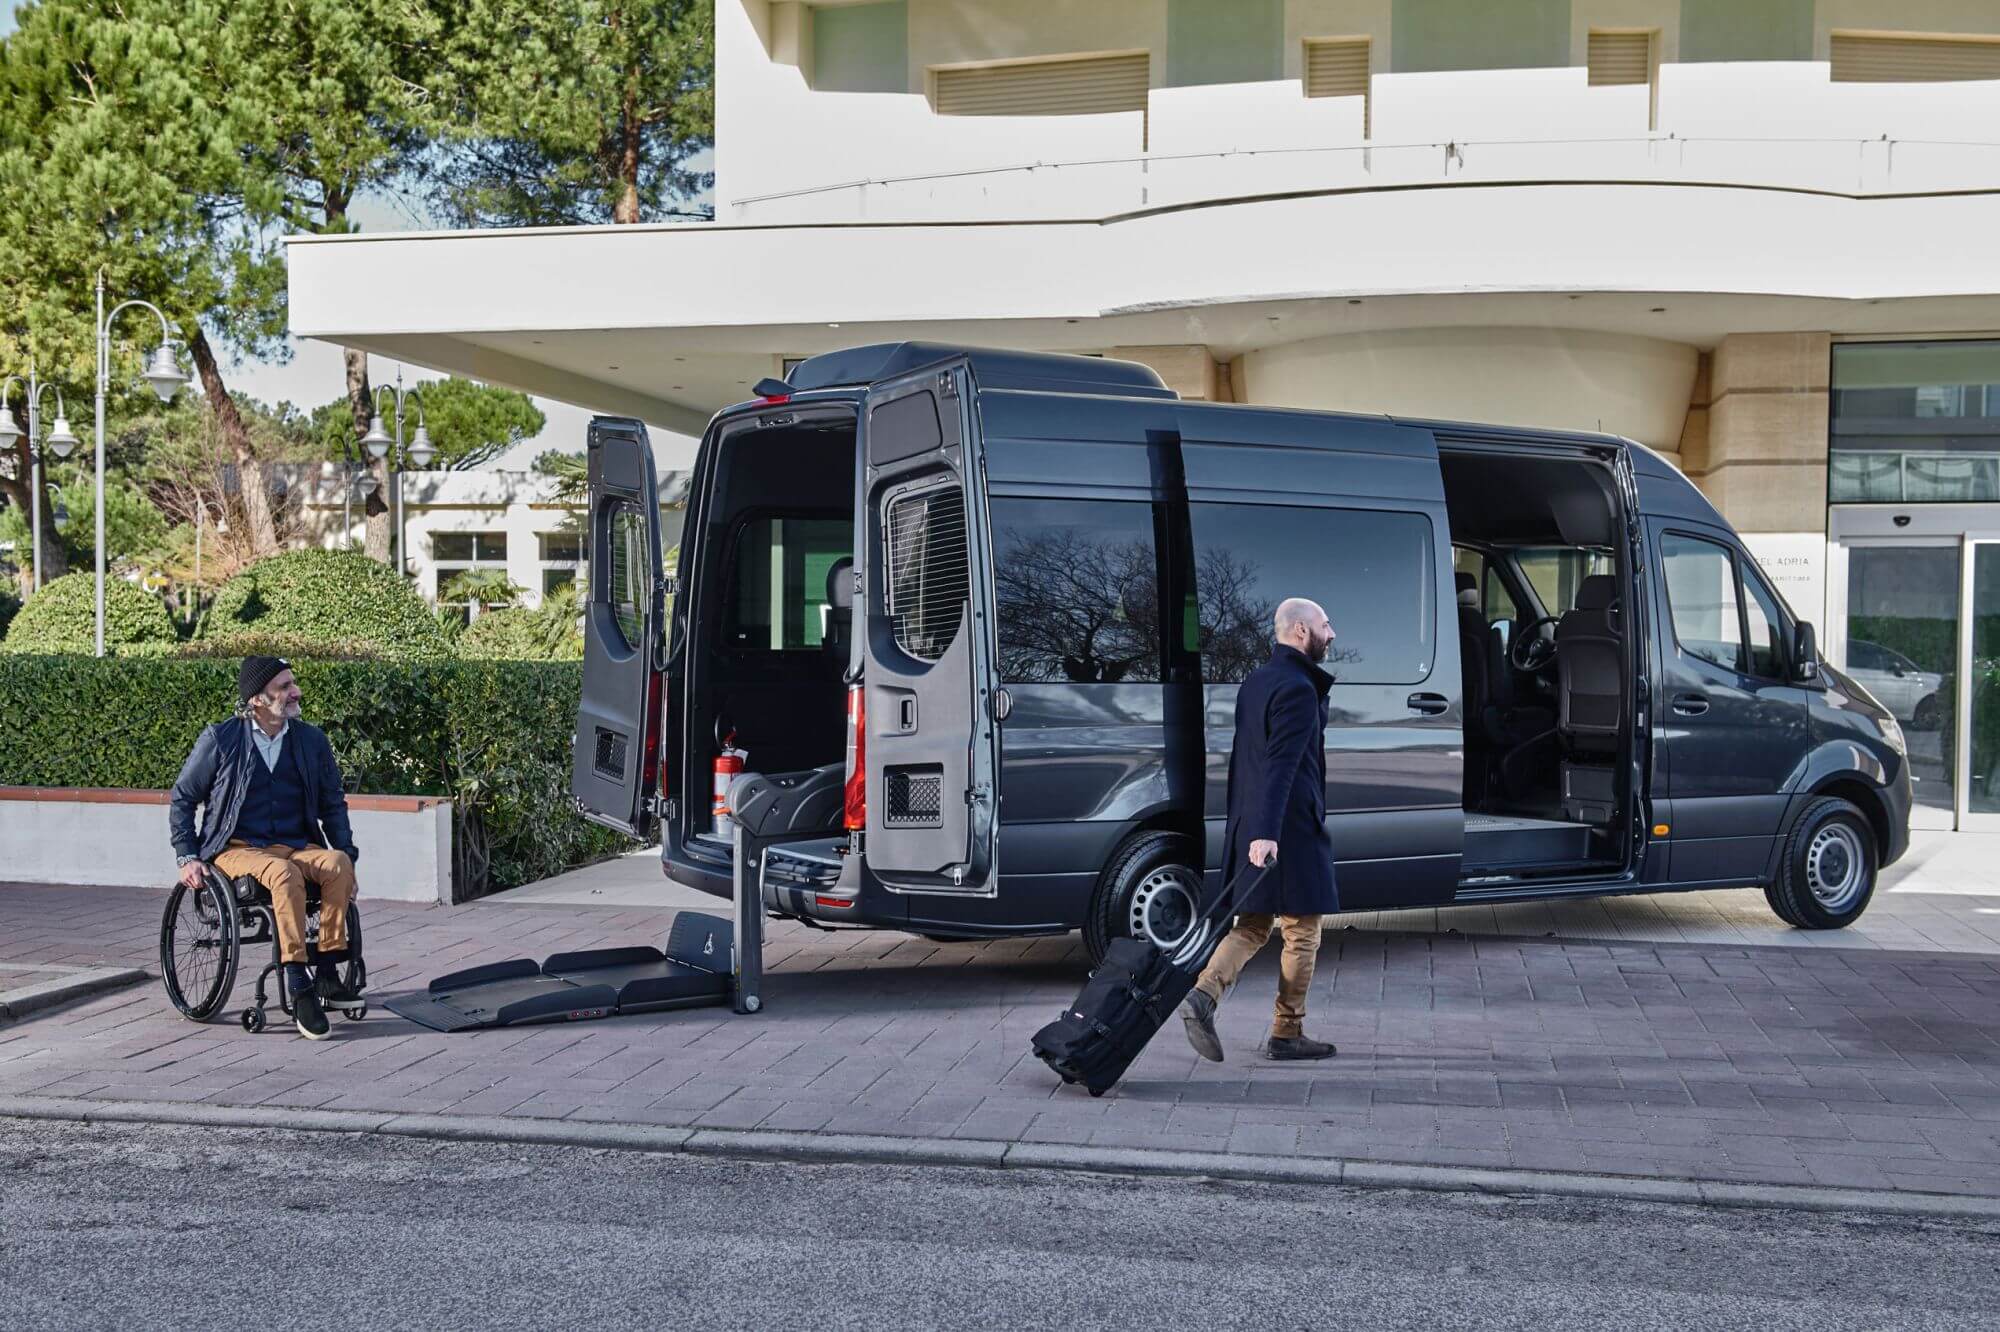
pixel 356 1013
pixel 200 941
pixel 253 1020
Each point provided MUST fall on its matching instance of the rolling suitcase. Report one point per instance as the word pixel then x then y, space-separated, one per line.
pixel 1133 992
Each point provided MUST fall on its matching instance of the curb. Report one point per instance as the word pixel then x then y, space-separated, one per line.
pixel 846 1148
pixel 16 1005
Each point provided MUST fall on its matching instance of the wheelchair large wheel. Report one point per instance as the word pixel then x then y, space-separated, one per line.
pixel 199 948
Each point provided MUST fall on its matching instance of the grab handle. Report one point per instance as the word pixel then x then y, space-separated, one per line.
pixel 1431 705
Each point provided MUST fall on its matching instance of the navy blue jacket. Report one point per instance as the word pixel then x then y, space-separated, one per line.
pixel 217 775
pixel 1277 786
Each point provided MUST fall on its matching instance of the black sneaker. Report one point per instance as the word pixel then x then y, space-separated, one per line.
pixel 332 993
pixel 1198 1016
pixel 1298 1047
pixel 311 1018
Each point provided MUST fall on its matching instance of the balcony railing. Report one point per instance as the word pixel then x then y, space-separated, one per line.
pixel 1096 187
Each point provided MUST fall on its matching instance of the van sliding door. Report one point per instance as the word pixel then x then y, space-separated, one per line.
pixel 931 740
pixel 617 721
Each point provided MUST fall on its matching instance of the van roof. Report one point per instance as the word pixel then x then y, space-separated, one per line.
pixel 1048 372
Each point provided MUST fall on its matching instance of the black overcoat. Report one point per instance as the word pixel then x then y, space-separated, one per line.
pixel 1277 786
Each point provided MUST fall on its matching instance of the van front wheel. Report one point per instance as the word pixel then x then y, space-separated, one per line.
pixel 1827 874
pixel 1151 890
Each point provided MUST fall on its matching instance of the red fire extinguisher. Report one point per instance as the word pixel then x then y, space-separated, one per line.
pixel 729 761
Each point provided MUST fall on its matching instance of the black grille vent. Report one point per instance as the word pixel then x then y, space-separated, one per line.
pixel 610 761
pixel 915 797
pixel 927 570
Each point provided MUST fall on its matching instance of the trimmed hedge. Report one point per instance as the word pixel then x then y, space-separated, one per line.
pixel 493 735
pixel 518 634
pixel 62 617
pixel 327 596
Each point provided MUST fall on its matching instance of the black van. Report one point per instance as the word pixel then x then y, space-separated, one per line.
pixel 991 608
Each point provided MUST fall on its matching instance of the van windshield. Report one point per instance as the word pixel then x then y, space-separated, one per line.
pixel 1557 572
pixel 777 580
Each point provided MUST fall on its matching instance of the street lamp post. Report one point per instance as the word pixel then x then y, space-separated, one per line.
pixel 166 377
pixel 379 444
pixel 62 439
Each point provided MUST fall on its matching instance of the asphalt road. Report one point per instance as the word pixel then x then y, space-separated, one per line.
pixel 131 1225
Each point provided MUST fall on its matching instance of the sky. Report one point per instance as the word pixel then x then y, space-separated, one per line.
pixel 314 374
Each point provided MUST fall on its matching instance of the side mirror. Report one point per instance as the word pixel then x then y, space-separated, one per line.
pixel 1805 652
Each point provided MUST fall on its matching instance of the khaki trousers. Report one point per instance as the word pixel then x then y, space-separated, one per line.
pixel 1295 965
pixel 285 872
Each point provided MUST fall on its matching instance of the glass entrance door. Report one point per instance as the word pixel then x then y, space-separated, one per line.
pixel 1978 733
pixel 1901 644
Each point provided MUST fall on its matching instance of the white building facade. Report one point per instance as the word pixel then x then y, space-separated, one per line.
pixel 1755 235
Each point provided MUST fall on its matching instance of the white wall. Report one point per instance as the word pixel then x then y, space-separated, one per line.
pixel 405 855
pixel 1735 122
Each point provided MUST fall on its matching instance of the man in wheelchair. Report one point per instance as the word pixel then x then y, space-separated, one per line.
pixel 274 810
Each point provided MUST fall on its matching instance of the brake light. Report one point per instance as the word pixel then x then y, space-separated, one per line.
pixel 854 800
pixel 776 397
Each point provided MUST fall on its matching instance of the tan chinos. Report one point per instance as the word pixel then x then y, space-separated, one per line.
pixel 1295 965
pixel 285 872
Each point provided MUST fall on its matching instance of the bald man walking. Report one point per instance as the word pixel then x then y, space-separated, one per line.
pixel 1277 812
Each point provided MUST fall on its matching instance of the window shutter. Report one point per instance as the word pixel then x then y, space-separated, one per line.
pixel 1074 86
pixel 1620 57
pixel 1338 67
pixel 1888 58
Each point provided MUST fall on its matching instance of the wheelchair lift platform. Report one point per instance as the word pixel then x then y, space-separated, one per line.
pixel 708 960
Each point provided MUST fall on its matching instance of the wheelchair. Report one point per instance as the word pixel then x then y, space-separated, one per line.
pixel 203 933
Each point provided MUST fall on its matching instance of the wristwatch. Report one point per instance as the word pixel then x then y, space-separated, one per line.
pixel 183 860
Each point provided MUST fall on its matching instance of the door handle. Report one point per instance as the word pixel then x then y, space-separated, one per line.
pixel 1690 705
pixel 1431 705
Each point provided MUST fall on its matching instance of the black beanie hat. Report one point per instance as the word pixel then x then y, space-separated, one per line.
pixel 258 672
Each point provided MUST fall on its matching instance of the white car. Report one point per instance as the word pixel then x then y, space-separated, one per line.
pixel 1896 682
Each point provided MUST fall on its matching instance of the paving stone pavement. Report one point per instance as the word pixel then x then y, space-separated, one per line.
pixel 1821 1066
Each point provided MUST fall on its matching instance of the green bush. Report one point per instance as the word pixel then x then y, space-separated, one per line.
pixel 518 634
pixel 62 617
pixel 494 736
pixel 328 596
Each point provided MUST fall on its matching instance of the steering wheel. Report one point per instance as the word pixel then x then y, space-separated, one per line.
pixel 1530 652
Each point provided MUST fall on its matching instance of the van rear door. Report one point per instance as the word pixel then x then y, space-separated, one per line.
pixel 930 749
pixel 617 721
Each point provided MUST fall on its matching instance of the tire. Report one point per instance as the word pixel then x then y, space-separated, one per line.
pixel 1826 876
pixel 200 943
pixel 353 971
pixel 1151 888
pixel 1925 718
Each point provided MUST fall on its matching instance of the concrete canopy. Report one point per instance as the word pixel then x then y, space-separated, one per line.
pixel 670 323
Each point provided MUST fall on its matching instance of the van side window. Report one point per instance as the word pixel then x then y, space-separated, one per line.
pixel 1371 570
pixel 1077 588
pixel 778 570
pixel 1767 651
pixel 1701 591
pixel 626 587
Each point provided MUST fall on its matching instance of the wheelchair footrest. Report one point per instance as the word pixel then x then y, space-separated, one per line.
pixel 696 969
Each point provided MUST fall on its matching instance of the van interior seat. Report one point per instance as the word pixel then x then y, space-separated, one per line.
pixel 837 632
pixel 1590 660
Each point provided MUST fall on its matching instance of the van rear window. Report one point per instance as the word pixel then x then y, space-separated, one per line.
pixel 1370 570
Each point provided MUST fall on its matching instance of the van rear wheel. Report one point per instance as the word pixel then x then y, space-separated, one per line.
pixel 1826 877
pixel 1151 890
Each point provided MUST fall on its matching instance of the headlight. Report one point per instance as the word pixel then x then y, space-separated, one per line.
pixel 1892 731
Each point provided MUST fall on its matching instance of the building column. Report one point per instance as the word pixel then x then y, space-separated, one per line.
pixel 1765 463
pixel 1188 369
